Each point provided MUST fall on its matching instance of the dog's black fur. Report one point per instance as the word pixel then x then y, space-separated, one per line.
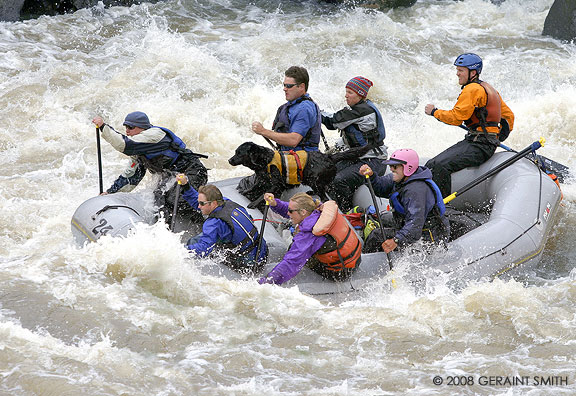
pixel 318 173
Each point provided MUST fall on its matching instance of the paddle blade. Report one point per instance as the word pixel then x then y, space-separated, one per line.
pixel 562 172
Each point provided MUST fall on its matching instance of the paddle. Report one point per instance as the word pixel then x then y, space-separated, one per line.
pixel 274 147
pixel 175 210
pixel 272 144
pixel 261 235
pixel 533 147
pixel 99 159
pixel 561 171
pixel 324 140
pixel 378 214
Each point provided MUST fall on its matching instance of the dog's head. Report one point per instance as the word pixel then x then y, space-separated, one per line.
pixel 252 156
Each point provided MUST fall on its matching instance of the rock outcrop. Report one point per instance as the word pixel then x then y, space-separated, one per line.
pixel 377 4
pixel 14 10
pixel 561 20
pixel 10 9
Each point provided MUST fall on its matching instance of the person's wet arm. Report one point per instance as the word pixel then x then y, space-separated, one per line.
pixel 383 185
pixel 469 98
pixel 281 208
pixel 213 231
pixel 304 245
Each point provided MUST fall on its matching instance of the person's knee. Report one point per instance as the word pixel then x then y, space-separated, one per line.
pixel 197 177
pixel 377 167
pixel 340 179
pixel 439 167
pixel 339 186
pixel 430 163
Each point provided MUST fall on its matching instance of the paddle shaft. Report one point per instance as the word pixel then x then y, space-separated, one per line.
pixel 375 201
pixel 534 146
pixel 325 141
pixel 560 170
pixel 271 143
pixel 261 235
pixel 175 210
pixel 99 160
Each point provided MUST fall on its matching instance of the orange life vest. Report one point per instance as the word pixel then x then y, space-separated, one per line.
pixel 348 249
pixel 489 115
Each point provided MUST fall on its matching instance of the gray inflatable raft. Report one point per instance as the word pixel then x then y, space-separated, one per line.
pixel 514 212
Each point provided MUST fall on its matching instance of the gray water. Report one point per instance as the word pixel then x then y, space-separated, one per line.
pixel 134 316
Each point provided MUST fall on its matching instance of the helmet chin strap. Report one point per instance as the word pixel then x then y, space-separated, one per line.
pixel 403 177
pixel 477 76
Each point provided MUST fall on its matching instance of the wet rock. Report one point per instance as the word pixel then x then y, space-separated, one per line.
pixel 10 9
pixel 13 10
pixel 377 4
pixel 561 20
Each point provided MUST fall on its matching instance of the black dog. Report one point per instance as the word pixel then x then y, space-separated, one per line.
pixel 318 173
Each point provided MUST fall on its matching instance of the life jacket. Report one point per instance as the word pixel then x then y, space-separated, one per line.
pixel 374 137
pixel 244 232
pixel 489 115
pixel 290 164
pixel 282 124
pixel 379 134
pixel 342 248
pixel 435 226
pixel 159 160
pixel 398 208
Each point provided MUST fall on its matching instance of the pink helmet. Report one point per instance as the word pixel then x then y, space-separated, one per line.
pixel 407 157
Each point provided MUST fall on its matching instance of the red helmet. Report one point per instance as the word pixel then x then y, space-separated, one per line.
pixel 407 157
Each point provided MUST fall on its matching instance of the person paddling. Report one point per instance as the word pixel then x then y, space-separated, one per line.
pixel 418 209
pixel 360 124
pixel 158 150
pixel 488 121
pixel 323 240
pixel 228 230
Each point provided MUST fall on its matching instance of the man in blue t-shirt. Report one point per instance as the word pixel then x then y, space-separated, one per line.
pixel 297 125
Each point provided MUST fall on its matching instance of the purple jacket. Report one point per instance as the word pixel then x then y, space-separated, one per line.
pixel 304 245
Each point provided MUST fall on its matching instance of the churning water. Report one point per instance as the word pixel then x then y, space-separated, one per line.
pixel 135 317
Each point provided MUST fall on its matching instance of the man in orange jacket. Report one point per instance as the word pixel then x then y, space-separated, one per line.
pixel 487 118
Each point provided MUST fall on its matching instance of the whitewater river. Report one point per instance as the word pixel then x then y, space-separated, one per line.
pixel 134 317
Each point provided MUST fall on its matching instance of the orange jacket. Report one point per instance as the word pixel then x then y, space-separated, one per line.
pixel 472 96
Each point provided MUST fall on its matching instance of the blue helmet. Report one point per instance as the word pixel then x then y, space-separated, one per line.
pixel 469 61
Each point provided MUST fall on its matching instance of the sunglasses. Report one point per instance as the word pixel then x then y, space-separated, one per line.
pixel 129 127
pixel 203 203
pixel 293 210
pixel 290 85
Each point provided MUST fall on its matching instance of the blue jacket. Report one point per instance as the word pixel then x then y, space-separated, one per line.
pixel 418 200
pixel 217 233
